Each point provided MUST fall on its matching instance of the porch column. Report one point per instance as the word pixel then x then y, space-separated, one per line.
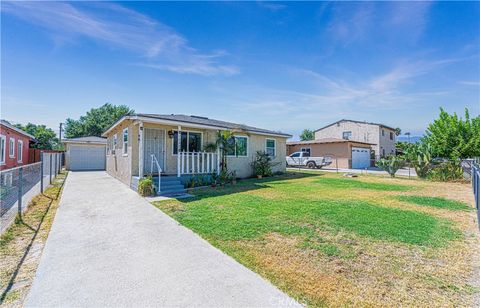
pixel 179 143
pixel 140 150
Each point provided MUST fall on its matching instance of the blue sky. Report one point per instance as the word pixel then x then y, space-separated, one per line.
pixel 278 65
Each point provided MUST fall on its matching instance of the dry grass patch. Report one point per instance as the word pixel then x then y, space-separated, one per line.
pixel 21 245
pixel 332 241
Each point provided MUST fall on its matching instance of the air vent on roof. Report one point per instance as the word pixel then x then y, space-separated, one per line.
pixel 199 117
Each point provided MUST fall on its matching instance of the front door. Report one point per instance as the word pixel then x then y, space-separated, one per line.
pixel 153 143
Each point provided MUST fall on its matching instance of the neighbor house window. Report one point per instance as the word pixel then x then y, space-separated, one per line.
pixel 307 151
pixel 20 151
pixel 11 148
pixel 347 135
pixel 270 147
pixel 3 149
pixel 114 143
pixel 125 141
pixel 240 148
pixel 391 135
pixel 189 142
pixel 383 132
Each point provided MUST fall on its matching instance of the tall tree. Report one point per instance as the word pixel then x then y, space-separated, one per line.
pixel 96 121
pixel 46 137
pixel 307 134
pixel 453 137
pixel 398 131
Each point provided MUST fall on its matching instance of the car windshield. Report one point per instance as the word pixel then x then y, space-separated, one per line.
pixel 297 154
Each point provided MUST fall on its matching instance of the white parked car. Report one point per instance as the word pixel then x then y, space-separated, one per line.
pixel 303 159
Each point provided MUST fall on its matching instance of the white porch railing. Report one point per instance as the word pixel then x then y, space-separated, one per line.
pixel 197 163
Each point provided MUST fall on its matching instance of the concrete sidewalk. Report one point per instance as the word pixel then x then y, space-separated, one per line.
pixel 110 247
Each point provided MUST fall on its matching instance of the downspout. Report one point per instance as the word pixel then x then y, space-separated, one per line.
pixel 140 150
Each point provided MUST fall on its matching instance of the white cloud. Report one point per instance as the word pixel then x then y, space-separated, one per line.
pixel 119 27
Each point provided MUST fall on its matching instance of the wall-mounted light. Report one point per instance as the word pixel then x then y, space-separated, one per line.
pixel 170 134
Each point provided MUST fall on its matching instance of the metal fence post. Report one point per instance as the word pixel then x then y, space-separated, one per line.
pixel 50 173
pixel 41 172
pixel 20 193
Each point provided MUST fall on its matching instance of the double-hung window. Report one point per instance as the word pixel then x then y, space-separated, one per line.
pixel 189 142
pixel 270 147
pixel 347 135
pixel 306 152
pixel 11 148
pixel 239 146
pixel 3 148
pixel 20 151
pixel 125 141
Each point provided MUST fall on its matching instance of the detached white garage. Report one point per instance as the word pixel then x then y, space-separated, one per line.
pixel 85 153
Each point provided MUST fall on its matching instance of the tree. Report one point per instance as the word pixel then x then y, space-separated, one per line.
pixel 398 131
pixel 46 137
pixel 390 164
pixel 307 134
pixel 452 137
pixel 96 121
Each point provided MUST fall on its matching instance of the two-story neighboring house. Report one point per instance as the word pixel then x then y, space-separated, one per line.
pixel 381 137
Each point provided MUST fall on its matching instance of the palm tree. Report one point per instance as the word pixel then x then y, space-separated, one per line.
pixel 225 143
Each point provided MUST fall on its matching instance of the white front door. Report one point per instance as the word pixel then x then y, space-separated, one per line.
pixel 153 143
pixel 360 158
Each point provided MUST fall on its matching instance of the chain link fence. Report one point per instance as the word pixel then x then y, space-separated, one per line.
pixel 19 185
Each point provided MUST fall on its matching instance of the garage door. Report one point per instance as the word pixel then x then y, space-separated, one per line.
pixel 87 157
pixel 360 158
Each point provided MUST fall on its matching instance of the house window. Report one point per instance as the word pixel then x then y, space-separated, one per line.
pixel 240 148
pixel 20 151
pixel 125 141
pixel 189 142
pixel 391 135
pixel 383 152
pixel 114 143
pixel 347 135
pixel 307 151
pixel 3 149
pixel 11 148
pixel 270 147
pixel 383 132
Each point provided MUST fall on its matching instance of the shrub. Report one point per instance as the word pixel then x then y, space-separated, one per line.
pixel 420 155
pixel 390 164
pixel 146 187
pixel 446 171
pixel 262 164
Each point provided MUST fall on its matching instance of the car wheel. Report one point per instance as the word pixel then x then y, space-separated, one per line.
pixel 311 165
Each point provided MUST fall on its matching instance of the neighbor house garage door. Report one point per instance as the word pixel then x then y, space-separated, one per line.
pixel 87 157
pixel 360 158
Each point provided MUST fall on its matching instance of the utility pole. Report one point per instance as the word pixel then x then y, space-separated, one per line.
pixel 60 132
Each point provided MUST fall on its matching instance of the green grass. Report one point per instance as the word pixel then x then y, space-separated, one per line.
pixel 349 183
pixel 243 213
pixel 436 202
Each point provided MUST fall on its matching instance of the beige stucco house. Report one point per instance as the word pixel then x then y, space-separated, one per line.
pixel 140 144
pixel 382 137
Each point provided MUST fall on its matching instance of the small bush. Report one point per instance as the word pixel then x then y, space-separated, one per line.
pixel 446 172
pixel 262 164
pixel 146 187
pixel 390 164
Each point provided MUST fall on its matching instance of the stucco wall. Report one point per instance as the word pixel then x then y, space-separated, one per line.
pixel 124 167
pixel 119 165
pixel 340 152
pixel 362 132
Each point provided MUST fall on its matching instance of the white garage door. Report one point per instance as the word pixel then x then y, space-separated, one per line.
pixel 87 157
pixel 360 158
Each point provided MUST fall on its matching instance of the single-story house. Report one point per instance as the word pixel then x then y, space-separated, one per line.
pixel 141 144
pixel 85 153
pixel 343 153
pixel 14 146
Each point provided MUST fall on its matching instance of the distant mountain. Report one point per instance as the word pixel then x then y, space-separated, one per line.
pixel 413 139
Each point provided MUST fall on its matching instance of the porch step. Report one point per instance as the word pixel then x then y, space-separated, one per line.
pixel 172 192
pixel 171 185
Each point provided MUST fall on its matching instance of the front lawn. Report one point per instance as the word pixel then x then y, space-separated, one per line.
pixel 329 240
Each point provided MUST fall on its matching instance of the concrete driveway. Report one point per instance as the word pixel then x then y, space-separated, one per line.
pixel 110 247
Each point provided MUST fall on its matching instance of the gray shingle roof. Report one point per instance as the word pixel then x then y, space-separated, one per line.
pixel 209 122
pixel 88 139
